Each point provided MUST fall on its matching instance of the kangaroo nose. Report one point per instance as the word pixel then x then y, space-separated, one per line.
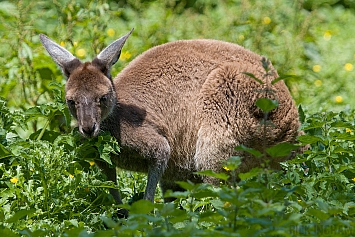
pixel 89 131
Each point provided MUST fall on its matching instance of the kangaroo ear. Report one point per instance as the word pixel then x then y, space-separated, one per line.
pixel 109 55
pixel 65 60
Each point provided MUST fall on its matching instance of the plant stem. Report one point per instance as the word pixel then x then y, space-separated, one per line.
pixel 44 128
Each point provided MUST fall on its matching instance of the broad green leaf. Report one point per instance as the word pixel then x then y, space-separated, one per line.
pixel 318 213
pixel 142 207
pixel 252 173
pixel 8 233
pixel 343 136
pixel 252 151
pixel 211 173
pixel 50 136
pixel 4 153
pixel 232 163
pixel 207 193
pixel 186 185
pixel 217 203
pixel 308 139
pixel 20 214
pixel 342 124
pixel 8 8
pixel 176 194
pixel 313 124
pixel 105 151
pixel 78 231
pixel 266 105
pixel 281 149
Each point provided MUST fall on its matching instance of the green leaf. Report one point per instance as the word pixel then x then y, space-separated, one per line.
pixel 232 163
pixel 308 139
pixel 343 136
pixel 318 213
pixel 252 173
pixel 342 124
pixel 252 151
pixel 266 105
pixel 255 78
pixel 285 77
pixel 20 214
pixel 10 9
pixel 8 233
pixel 47 135
pixel 104 151
pixel 78 231
pixel 176 194
pixel 281 149
pixel 211 173
pixel 4 153
pixel 142 207
pixel 301 114
pixel 186 185
pixel 205 193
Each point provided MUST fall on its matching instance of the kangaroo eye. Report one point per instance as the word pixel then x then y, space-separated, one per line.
pixel 71 102
pixel 103 99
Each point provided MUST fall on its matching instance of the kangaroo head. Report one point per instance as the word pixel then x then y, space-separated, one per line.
pixel 90 94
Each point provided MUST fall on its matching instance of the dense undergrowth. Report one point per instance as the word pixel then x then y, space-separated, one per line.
pixel 49 185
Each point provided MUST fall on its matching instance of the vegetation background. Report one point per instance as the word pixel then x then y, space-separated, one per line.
pixel 49 185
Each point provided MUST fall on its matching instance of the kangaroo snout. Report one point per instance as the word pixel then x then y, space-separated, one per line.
pixel 89 130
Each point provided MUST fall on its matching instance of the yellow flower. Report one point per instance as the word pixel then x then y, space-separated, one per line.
pixel 110 32
pixel 299 200
pixel 353 179
pixel 226 168
pixel 227 204
pixel 318 83
pixel 62 43
pixel 92 163
pixel 266 20
pixel 71 176
pixel 327 35
pixel 338 99
pixel 348 67
pixel 349 131
pixel 125 55
pixel 75 43
pixel 14 180
pixel 80 53
pixel 316 68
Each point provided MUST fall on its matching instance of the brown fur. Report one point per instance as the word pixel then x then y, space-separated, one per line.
pixel 179 108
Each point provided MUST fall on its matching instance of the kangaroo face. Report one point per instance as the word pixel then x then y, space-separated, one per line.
pixel 90 94
pixel 90 97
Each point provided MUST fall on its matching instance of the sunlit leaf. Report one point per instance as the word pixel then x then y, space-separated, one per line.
pixel 211 173
pixel 252 173
pixel 4 153
pixel 281 149
pixel 252 151
pixel 266 105
pixel 20 214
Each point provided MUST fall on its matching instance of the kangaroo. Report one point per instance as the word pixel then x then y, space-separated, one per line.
pixel 177 108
